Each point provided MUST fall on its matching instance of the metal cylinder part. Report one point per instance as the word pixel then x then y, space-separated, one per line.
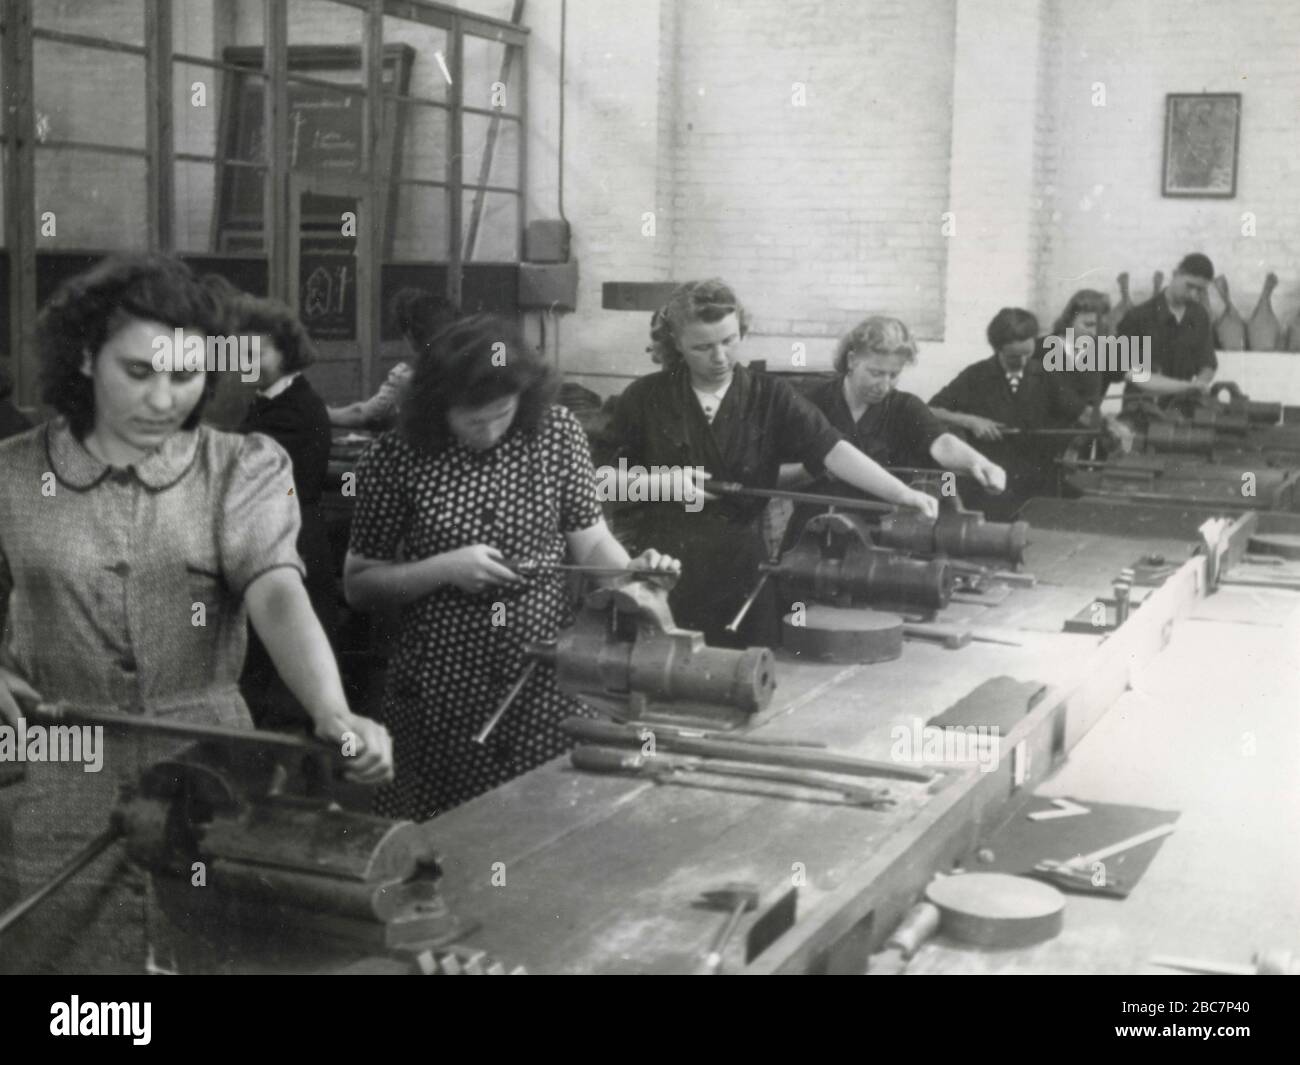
pixel 663 669
pixel 1165 437
pixel 872 575
pixel 957 534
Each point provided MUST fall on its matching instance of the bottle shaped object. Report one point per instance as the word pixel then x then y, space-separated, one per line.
pixel 1292 339
pixel 1230 329
pixel 1264 331
pixel 1120 309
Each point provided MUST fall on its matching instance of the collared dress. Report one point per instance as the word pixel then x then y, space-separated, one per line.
pixel 458 653
pixel 1041 401
pixel 760 424
pixel 101 574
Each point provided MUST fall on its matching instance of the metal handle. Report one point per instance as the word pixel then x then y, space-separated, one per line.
pixel 74 865
pixel 515 689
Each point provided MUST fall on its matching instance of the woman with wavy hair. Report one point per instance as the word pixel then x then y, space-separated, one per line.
pixel 1073 333
pixel 705 411
pixel 483 469
pixel 135 546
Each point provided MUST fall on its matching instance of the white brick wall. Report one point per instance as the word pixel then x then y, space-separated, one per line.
pixel 1112 216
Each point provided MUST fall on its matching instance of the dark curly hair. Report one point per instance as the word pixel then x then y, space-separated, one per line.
pixel 419 314
pixel 88 309
pixel 695 301
pixel 1009 325
pixel 471 363
pixel 273 319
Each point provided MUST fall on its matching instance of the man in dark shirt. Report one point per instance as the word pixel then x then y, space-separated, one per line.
pixel 1181 340
pixel 1007 390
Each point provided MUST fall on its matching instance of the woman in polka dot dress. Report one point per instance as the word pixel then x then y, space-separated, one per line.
pixel 481 469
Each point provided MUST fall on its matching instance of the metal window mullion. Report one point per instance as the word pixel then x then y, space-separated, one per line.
pixel 522 154
pixel 275 102
pixel 20 196
pixel 377 226
pixel 159 137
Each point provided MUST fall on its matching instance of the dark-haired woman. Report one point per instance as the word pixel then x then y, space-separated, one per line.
pixel 290 412
pixel 482 469
pixel 706 412
pixel 135 544
pixel 418 315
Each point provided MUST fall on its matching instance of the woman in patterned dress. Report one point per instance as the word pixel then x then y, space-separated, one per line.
pixel 482 469
pixel 117 520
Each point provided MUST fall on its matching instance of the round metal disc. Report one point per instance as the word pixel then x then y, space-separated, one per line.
pixel 996 909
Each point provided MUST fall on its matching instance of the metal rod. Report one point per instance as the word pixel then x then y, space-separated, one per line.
pixel 527 567
pixel 750 600
pixel 730 488
pixel 74 865
pixel 184 729
pixel 515 689
pixel 1013 431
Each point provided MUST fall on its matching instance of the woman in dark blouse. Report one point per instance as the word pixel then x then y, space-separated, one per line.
pixel 483 469
pixel 290 412
pixel 705 412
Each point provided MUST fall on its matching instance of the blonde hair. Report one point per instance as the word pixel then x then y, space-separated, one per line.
pixel 876 335
pixel 694 301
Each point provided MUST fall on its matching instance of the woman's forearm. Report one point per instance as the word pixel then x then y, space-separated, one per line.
pixel 1160 385
pixel 853 467
pixel 284 620
pixel 373 585
pixel 954 454
pixel 952 417
pixel 597 546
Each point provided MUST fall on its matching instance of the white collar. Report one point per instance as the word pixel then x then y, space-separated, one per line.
pixel 280 386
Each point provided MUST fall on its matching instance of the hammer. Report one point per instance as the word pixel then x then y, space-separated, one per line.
pixel 736 897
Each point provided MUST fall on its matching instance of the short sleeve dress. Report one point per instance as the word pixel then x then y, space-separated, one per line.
pixel 102 574
pixel 457 653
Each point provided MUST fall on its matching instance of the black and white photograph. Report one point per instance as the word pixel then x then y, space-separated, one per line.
pixel 651 487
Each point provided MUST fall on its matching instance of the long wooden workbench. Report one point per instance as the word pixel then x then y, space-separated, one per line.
pixel 568 872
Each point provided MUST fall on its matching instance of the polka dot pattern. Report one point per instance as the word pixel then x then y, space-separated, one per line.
pixel 459 653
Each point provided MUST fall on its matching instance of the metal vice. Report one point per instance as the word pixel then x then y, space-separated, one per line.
pixel 254 864
pixel 625 646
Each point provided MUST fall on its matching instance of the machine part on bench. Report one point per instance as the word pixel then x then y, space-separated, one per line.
pixel 842 634
pixel 624 645
pixel 280 855
pixel 955 534
pixel 1163 437
pixel 835 561
pixel 997 910
pixel 1281 545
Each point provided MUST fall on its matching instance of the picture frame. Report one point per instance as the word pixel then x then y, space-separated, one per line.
pixel 1202 138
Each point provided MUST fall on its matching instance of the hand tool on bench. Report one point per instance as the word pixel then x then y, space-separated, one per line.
pixel 531 567
pixel 671 767
pixel 1078 870
pixel 482 735
pixel 605 732
pixel 964 570
pixel 952 636
pixel 1264 963
pixel 704 734
pixel 737 899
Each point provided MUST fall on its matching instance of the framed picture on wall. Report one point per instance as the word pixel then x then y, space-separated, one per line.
pixel 1202 131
